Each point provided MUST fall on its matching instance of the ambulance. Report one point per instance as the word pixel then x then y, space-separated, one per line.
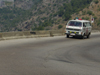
pixel 79 28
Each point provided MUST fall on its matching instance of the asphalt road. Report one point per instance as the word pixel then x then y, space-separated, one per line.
pixel 50 56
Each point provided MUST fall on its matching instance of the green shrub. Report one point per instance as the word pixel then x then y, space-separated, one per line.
pixel 55 14
pixel 89 12
pixel 54 4
pixel 84 12
pixel 60 26
pixel 96 1
pixel 82 17
pixel 98 9
pixel 49 4
pixel 98 23
pixel 86 18
pixel 95 17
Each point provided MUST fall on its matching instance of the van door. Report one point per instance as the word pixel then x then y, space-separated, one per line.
pixel 89 27
pixel 84 28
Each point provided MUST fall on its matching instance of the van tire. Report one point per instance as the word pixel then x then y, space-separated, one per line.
pixel 88 35
pixel 67 36
pixel 82 37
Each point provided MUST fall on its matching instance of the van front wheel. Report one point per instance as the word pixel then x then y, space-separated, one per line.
pixel 82 37
pixel 67 36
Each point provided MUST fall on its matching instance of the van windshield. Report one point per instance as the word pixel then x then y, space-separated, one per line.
pixel 75 23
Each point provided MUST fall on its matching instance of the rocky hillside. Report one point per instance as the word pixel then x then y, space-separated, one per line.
pixel 26 4
pixel 5 3
pixel 92 11
pixel 44 13
pixel 40 14
pixel 53 14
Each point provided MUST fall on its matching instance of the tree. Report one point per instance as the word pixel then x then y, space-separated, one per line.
pixel 60 26
pixel 89 12
pixel 96 1
pixel 61 12
pixel 66 16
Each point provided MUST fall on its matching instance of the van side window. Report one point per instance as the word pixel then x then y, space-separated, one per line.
pixel 87 24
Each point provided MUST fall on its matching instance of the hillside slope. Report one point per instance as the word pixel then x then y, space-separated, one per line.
pixel 92 11
pixel 39 14
pixel 53 14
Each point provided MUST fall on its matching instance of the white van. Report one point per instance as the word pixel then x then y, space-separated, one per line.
pixel 79 28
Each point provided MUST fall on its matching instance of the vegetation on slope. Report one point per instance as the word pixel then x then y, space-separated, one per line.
pixel 10 17
pixel 41 15
pixel 65 11
pixel 92 10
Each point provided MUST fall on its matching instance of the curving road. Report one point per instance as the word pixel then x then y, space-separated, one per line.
pixel 51 56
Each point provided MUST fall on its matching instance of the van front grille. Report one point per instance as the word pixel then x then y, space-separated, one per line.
pixel 73 29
